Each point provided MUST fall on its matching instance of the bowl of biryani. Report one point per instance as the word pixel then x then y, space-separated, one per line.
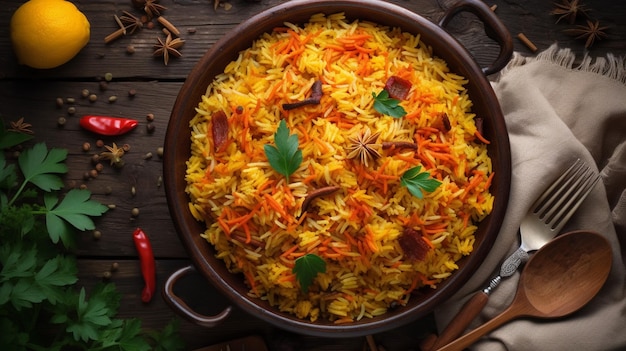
pixel 338 168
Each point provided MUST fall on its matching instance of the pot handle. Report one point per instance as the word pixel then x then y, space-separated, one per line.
pixel 181 307
pixel 494 28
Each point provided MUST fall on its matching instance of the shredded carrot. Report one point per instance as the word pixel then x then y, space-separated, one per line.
pixel 481 138
pixel 275 205
pixel 250 278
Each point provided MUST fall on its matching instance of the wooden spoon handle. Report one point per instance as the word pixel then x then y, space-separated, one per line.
pixel 468 339
pixel 462 320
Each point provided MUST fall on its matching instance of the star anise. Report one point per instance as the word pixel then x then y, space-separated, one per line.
pixel 153 9
pixel 21 127
pixel 130 22
pixel 114 155
pixel 590 32
pixel 168 48
pixel 364 146
pixel 569 10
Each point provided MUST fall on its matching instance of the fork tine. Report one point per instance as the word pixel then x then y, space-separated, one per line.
pixel 559 202
pixel 566 212
pixel 556 191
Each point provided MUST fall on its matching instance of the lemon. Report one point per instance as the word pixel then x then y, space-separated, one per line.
pixel 48 33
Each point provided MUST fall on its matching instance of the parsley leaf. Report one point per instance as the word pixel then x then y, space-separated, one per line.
pixel 285 157
pixel 417 182
pixel 75 209
pixel 388 106
pixel 306 268
pixel 40 166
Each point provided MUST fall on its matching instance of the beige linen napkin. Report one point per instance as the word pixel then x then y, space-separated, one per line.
pixel 555 113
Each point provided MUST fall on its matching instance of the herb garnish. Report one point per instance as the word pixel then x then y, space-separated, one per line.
pixel 306 268
pixel 38 277
pixel 285 157
pixel 417 182
pixel 387 105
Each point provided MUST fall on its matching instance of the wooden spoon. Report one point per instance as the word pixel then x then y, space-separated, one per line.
pixel 558 280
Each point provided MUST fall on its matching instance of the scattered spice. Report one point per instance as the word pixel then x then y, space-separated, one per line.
pixel 147 156
pixel 97 234
pixel 130 22
pixel 71 110
pixel 219 130
pixel 314 99
pixel 108 76
pixel 93 98
pixel 168 25
pixel 168 48
pixel 569 10
pixel 112 99
pixel 591 32
pixel 126 147
pixel 160 151
pixel 106 275
pixel 364 146
pixel 529 44
pixel 153 8
pixel 114 266
pixel 59 102
pixel 130 49
pixel 95 159
pixel 86 146
pixel 21 126
pixel 93 173
pixel 132 93
pixel 150 117
pixel 84 93
pixel 70 100
pixel 61 121
pixel 99 143
pixel 114 154
pixel 317 193
pixel 134 212
pixel 150 128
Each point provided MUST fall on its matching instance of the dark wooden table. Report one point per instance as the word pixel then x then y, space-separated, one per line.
pixel 31 94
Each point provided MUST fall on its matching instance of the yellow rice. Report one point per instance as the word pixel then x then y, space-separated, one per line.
pixel 355 229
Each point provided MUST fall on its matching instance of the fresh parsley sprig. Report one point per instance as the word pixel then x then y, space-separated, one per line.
pixel 38 277
pixel 306 269
pixel 387 105
pixel 417 182
pixel 285 157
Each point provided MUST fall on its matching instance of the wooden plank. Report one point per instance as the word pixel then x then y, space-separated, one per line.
pixel 36 103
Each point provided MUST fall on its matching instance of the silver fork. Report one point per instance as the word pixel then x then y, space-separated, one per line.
pixel 547 216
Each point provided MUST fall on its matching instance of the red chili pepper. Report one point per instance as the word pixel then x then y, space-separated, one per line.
pixel 106 125
pixel 148 267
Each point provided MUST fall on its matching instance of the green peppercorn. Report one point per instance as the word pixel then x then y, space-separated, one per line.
pixel 134 212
